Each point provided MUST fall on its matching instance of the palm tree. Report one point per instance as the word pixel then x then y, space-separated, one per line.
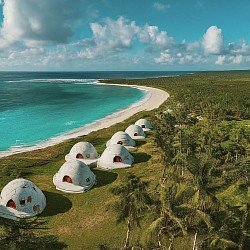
pixel 22 234
pixel 134 200
pixel 203 202
pixel 172 212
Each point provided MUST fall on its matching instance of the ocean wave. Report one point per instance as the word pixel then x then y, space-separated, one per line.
pixel 59 80
pixel 69 123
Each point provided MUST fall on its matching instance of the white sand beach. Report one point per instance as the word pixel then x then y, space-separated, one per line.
pixel 152 99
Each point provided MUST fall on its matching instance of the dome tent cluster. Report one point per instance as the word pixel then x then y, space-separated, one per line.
pixel 21 198
pixel 75 176
pixel 116 155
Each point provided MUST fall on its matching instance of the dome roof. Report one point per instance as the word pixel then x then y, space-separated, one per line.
pixel 115 156
pixel 135 132
pixel 21 198
pixel 74 177
pixel 144 124
pixel 121 138
pixel 83 151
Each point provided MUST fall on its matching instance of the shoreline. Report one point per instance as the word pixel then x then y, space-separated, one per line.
pixel 152 99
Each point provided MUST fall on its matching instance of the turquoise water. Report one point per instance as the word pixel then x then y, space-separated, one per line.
pixel 36 106
pixel 31 112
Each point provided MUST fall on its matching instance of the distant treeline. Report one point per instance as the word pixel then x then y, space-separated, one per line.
pixel 216 95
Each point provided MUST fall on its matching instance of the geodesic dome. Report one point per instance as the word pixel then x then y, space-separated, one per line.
pixel 144 124
pixel 83 151
pixel 121 138
pixel 135 132
pixel 74 177
pixel 115 156
pixel 21 198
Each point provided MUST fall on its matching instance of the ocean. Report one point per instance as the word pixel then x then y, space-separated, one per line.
pixel 36 106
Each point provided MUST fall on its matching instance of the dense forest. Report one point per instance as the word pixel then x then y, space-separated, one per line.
pixel 204 133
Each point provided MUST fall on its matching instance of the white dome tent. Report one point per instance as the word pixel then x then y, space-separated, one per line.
pixel 135 132
pixel 121 138
pixel 21 198
pixel 74 177
pixel 115 156
pixel 144 124
pixel 83 151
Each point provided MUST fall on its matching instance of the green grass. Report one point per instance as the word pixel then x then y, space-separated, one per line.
pixel 84 221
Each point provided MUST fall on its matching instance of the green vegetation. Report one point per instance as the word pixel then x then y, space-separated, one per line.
pixel 188 189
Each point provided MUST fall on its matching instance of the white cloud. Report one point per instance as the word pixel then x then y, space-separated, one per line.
pixel 87 53
pixel 118 35
pixel 28 27
pixel 243 48
pixel 193 46
pixel 180 55
pixel 26 54
pixel 238 59
pixel 192 59
pixel 161 7
pixel 151 35
pixel 220 60
pixel 213 41
pixel 42 21
pixel 113 36
pixel 136 60
pixel 165 58
pixel 238 54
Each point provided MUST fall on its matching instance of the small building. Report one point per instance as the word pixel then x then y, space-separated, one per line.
pixel 121 138
pixel 144 124
pixel 83 151
pixel 168 111
pixel 135 132
pixel 115 156
pixel 21 198
pixel 74 177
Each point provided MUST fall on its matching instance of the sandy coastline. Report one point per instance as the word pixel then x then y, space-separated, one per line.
pixel 152 99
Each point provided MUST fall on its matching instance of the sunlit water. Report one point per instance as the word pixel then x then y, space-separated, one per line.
pixel 37 106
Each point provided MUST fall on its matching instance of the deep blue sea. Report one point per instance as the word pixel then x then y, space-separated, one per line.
pixel 35 106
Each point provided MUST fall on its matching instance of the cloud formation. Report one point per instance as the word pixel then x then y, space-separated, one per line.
pixel 38 21
pixel 213 41
pixel 40 33
pixel 113 36
pixel 150 35
pixel 161 7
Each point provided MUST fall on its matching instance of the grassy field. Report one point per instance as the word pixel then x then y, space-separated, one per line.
pixel 88 220
pixel 85 221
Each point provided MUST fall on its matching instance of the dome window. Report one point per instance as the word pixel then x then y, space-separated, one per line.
pixel 66 178
pixel 11 204
pixel 79 156
pixel 117 159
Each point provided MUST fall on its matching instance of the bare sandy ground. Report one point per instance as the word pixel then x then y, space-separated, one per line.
pixel 152 99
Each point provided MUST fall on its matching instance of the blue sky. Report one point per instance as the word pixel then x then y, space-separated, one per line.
pixel 124 35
